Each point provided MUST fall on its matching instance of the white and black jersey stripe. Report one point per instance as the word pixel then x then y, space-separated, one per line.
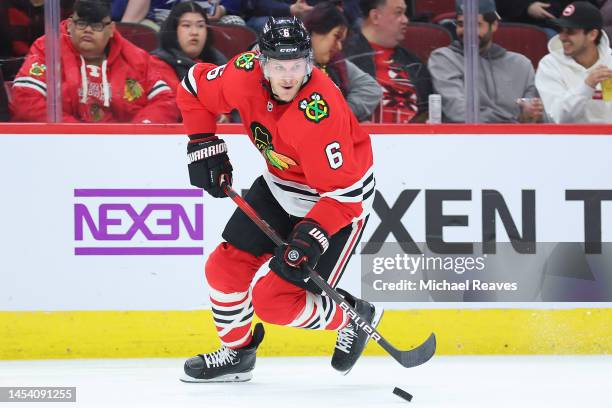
pixel 189 82
pixel 298 199
pixel 158 87
pixel 356 231
pixel 29 82
pixel 358 192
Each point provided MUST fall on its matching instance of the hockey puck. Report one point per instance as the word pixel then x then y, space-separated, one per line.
pixel 402 394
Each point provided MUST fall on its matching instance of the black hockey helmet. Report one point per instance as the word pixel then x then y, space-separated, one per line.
pixel 285 38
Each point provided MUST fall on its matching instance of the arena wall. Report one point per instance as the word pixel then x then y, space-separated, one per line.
pixel 104 239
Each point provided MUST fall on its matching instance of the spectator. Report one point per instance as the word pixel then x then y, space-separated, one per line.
pixel 328 27
pixel 23 21
pixel 184 41
pixel 570 77
pixel 376 50
pixel 541 13
pixel 504 77
pixel 350 9
pixel 104 77
pixel 606 11
pixel 256 12
pixel 153 13
pixel 150 13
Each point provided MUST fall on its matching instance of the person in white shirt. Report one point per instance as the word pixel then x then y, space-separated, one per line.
pixel 569 79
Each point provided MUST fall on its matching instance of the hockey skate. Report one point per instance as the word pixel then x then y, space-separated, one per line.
pixel 351 339
pixel 225 364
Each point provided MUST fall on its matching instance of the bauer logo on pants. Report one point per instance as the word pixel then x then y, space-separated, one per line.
pixel 138 222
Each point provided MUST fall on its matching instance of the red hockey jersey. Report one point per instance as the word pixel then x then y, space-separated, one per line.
pixel 319 160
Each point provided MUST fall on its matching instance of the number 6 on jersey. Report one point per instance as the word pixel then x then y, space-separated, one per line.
pixel 334 155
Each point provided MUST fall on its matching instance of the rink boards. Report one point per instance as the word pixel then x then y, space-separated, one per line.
pixel 104 240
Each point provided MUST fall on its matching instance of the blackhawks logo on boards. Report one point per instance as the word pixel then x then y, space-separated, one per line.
pixel 246 61
pixel 316 109
pixel 132 91
pixel 37 69
pixel 263 142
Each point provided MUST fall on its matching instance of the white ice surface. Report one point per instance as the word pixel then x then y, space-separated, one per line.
pixel 454 382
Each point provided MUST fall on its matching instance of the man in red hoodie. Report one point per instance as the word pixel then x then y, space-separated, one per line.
pixel 105 78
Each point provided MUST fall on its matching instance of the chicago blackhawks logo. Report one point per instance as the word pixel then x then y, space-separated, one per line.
pixel 37 69
pixel 316 109
pixel 263 142
pixel 246 61
pixel 132 91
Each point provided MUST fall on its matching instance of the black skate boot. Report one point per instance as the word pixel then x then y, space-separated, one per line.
pixel 225 364
pixel 352 340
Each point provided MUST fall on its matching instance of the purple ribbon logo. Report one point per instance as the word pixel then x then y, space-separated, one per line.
pixel 138 222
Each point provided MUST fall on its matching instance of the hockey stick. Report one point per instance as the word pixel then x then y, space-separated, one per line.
pixel 407 358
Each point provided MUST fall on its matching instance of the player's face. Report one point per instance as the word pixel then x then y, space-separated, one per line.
pixel 325 46
pixel 90 38
pixel 191 33
pixel 286 77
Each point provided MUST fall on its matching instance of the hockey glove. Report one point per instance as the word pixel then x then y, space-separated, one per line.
pixel 209 165
pixel 305 245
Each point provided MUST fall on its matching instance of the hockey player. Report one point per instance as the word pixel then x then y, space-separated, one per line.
pixel 317 190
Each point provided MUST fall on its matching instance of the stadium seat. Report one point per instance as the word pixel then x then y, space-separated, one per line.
pixel 423 38
pixel 5 98
pixel 529 40
pixel 140 35
pixel 8 88
pixel 10 67
pixel 232 39
pixel 432 7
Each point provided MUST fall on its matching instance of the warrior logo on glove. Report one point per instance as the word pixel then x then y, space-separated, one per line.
pixel 207 152
pixel 320 237
pixel 209 165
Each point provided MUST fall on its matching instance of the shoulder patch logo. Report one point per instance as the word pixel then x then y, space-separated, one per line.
pixel 37 69
pixel 132 91
pixel 316 109
pixel 263 142
pixel 246 61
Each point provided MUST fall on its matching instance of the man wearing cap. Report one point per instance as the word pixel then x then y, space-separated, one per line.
pixel 504 77
pixel 571 76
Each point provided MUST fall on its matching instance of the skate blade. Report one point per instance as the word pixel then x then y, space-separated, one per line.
pixel 378 314
pixel 239 377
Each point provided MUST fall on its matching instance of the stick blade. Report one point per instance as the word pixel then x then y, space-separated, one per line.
pixel 418 355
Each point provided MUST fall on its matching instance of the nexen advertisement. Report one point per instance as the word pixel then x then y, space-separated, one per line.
pixel 110 222
pixel 138 222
